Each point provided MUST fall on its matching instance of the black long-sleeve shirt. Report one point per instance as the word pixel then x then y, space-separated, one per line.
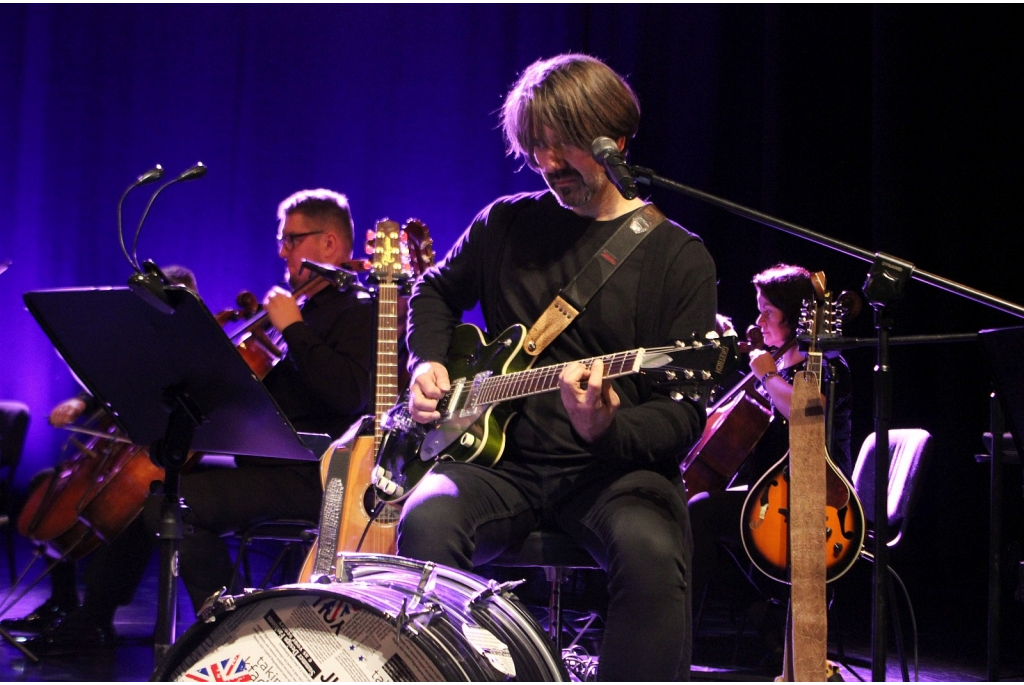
pixel 324 382
pixel 514 259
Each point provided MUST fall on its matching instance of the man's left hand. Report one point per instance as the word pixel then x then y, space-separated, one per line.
pixel 591 409
pixel 281 308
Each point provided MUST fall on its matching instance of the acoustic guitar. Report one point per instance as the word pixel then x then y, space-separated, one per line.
pixel 353 518
pixel 485 376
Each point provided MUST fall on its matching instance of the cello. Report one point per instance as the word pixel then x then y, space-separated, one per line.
pixel 92 496
pixel 735 425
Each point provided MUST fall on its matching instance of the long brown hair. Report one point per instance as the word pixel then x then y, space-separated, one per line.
pixel 577 96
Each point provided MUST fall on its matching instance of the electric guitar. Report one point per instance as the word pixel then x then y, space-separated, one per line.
pixel 485 376
pixel 352 517
pixel 765 519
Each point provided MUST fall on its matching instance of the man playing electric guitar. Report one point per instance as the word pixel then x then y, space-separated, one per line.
pixel 599 459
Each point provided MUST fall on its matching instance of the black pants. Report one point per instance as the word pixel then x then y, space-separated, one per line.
pixel 715 520
pixel 220 501
pixel 635 524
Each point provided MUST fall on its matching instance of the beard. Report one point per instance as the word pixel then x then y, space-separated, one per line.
pixel 573 195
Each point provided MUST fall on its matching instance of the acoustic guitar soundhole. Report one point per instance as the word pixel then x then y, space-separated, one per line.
pixel 388 518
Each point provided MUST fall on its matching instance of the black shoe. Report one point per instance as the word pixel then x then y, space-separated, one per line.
pixel 44 617
pixel 75 634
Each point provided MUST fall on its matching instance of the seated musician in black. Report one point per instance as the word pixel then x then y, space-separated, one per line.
pixel 322 385
pixel 599 459
pixel 715 516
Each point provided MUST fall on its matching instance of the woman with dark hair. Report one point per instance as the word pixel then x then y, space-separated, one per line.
pixel 715 516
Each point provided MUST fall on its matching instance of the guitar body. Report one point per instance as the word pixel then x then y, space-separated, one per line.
pixel 765 523
pixel 486 376
pixel 482 439
pixel 410 451
pixel 360 502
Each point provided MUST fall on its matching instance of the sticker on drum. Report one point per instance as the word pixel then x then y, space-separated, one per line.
pixel 303 638
pixel 495 650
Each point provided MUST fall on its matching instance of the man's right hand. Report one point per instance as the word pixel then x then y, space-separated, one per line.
pixel 429 384
pixel 66 412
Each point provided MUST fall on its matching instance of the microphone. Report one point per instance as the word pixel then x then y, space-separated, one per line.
pixel 340 278
pixel 197 171
pixel 154 174
pixel 608 155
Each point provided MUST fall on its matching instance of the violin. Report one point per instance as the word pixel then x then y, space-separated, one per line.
pixel 259 343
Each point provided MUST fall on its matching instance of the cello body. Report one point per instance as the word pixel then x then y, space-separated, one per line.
pixel 733 429
pixel 92 496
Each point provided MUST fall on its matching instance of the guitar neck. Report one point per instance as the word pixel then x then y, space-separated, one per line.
pixel 387 355
pixel 544 379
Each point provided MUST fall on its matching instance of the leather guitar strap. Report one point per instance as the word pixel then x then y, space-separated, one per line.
pixel 573 298
pixel 806 645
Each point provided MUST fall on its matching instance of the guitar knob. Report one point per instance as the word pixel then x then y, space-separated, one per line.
pixel 467 440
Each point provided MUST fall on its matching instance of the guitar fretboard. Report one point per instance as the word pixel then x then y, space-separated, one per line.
pixel 387 355
pixel 544 379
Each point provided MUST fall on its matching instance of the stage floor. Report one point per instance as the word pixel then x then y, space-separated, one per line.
pixel 730 646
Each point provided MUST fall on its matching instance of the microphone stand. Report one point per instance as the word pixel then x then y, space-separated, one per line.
pixel 884 286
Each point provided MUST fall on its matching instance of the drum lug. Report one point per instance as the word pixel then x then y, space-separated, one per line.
pixel 342 571
pixel 405 617
pixel 428 579
pixel 214 604
pixel 494 588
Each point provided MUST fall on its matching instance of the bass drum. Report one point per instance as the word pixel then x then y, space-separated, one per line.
pixel 390 619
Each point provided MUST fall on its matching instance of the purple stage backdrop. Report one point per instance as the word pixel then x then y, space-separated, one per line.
pixel 897 129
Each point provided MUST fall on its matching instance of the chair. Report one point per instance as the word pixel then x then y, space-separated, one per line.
pixel 296 535
pixel 909 449
pixel 14 418
pixel 556 553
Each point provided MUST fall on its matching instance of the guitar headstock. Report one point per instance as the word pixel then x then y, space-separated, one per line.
pixel 389 253
pixel 824 316
pixel 692 370
pixel 421 246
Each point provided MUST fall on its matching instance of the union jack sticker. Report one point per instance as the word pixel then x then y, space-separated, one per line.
pixel 224 671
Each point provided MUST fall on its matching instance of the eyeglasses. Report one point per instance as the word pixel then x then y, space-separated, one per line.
pixel 289 240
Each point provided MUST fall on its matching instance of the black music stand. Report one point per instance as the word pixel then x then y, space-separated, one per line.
pixel 172 381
